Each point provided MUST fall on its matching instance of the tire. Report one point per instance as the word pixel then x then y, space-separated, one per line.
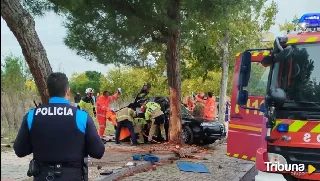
pixel 187 135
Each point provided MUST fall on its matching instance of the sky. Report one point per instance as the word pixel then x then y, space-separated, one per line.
pixel 51 33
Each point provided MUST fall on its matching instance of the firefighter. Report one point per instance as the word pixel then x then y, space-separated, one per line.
pixel 86 103
pixel 125 118
pixel 209 110
pixel 104 113
pixel 139 123
pixel 155 115
pixel 190 103
pixel 58 135
pixel 77 99
pixel 141 97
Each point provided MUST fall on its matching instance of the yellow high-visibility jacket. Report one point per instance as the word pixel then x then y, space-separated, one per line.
pixel 153 110
pixel 86 104
pixel 126 114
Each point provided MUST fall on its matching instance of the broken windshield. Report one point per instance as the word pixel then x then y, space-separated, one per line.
pixel 299 76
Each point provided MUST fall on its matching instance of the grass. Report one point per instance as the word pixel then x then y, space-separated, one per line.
pixel 109 130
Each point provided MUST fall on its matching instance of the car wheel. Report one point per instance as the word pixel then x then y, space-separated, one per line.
pixel 187 135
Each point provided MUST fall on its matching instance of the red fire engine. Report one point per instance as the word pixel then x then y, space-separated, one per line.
pixel 275 116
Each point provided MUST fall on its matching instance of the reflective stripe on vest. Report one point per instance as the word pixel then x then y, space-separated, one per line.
pixel 125 116
pixel 100 107
pixel 101 115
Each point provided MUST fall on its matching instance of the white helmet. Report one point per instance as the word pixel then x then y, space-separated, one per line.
pixel 89 90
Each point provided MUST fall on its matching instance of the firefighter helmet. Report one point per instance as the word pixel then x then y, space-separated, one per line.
pixel 89 91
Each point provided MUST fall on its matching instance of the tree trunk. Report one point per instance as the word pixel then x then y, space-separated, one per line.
pixel 224 78
pixel 22 25
pixel 173 71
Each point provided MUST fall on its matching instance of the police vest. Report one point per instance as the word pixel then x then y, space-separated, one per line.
pixel 57 132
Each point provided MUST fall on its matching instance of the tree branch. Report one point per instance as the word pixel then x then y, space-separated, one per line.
pixel 158 39
pixel 128 10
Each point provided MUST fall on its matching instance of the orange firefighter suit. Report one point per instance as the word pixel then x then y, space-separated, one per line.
pixel 209 110
pixel 103 111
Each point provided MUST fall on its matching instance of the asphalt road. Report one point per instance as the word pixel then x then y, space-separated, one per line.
pixel 249 176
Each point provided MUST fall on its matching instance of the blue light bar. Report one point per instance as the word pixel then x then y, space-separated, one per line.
pixel 310 20
pixel 283 127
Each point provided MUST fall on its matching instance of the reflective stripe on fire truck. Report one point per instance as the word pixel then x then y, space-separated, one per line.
pixel 310 39
pixel 255 54
pixel 301 126
pixel 249 128
pixel 291 40
pixel 244 157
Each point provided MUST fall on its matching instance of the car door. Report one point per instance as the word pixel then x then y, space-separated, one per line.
pixel 245 126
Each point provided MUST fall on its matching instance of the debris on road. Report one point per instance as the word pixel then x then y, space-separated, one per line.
pixel 192 167
pixel 130 164
pixel 148 157
pixel 220 167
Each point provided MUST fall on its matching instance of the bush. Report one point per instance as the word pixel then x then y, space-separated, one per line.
pixel 14 105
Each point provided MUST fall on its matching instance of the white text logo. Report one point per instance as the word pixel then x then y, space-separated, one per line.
pixel 275 167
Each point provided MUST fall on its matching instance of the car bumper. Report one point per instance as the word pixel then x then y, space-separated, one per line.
pixel 210 133
pixel 214 136
pixel 265 176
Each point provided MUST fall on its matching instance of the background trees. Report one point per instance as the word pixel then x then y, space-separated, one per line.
pixel 22 25
pixel 18 91
pixel 119 31
pixel 191 40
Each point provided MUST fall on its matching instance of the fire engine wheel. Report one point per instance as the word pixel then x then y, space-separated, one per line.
pixel 187 135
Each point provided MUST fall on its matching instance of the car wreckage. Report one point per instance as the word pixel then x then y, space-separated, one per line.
pixel 194 130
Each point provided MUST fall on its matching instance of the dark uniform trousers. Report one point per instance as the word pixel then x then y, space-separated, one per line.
pixel 60 136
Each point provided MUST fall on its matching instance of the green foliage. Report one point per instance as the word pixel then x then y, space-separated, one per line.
pixel 131 81
pixel 14 73
pixel 79 82
pixel 93 75
pixel 245 32
pixel 258 79
pixel 288 25
pixel 105 30
pixel 37 7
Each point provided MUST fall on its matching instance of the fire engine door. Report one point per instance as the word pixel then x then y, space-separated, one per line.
pixel 245 126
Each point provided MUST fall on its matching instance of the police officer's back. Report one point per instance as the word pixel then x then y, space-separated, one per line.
pixel 59 135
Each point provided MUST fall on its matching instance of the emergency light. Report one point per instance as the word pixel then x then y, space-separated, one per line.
pixel 283 127
pixel 310 20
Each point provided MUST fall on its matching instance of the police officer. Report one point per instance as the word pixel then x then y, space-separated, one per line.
pixel 59 135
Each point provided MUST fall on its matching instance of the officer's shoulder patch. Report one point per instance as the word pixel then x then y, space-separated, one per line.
pixel 81 120
pixel 30 115
pixel 82 111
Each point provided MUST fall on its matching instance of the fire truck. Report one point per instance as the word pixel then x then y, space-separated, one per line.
pixel 275 115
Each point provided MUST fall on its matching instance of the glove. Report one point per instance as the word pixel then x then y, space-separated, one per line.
pixel 119 91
